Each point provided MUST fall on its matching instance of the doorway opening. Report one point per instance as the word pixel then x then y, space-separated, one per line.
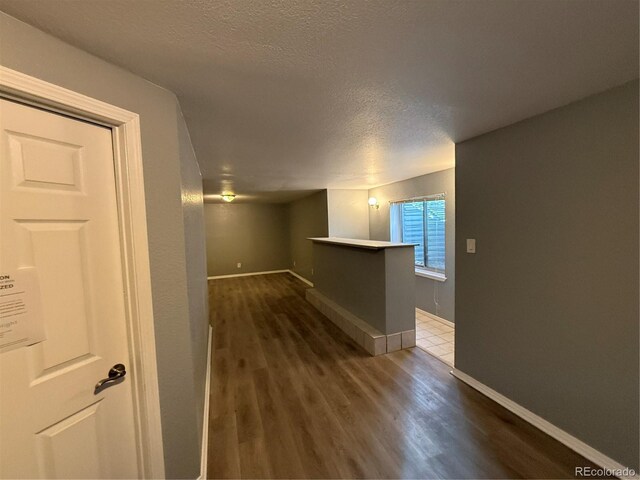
pixel 436 336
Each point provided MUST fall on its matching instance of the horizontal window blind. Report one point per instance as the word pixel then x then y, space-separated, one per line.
pixel 413 228
pixel 422 221
pixel 435 222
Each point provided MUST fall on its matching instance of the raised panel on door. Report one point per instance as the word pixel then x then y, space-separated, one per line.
pixel 55 247
pixel 78 436
pixel 44 163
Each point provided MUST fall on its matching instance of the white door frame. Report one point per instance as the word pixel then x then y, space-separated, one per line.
pixel 132 218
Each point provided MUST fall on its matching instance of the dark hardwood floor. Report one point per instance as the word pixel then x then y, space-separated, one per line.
pixel 294 397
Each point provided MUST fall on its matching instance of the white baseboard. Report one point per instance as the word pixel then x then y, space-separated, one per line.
pixel 436 318
pixel 300 277
pixel 563 437
pixel 250 274
pixel 247 274
pixel 205 418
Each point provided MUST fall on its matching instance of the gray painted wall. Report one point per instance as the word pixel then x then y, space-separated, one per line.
pixel 307 218
pixel 547 309
pixel 254 234
pixel 196 258
pixel 35 53
pixel 348 213
pixel 354 278
pixel 399 289
pixel 375 285
pixel 264 237
pixel 426 289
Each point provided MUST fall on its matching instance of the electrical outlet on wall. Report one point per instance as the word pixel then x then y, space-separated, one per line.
pixel 239 265
pixel 294 263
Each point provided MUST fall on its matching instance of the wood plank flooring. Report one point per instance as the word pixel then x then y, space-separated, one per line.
pixel 294 397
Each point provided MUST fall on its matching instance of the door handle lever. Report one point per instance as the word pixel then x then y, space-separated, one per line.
pixel 117 372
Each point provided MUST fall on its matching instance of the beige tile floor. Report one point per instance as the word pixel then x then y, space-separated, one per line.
pixel 435 337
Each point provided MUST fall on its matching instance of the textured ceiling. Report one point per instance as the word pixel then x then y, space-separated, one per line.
pixel 300 95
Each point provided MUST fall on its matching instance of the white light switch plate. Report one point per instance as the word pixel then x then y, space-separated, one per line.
pixel 471 245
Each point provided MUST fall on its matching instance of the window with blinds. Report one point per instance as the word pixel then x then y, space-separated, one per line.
pixel 422 221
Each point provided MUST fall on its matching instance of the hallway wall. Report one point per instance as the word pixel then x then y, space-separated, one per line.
pixel 170 222
pixel 547 309
pixel 196 261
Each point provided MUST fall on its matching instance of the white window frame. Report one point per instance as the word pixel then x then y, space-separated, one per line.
pixel 421 271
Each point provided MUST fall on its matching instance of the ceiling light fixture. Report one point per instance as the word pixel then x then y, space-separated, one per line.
pixel 228 197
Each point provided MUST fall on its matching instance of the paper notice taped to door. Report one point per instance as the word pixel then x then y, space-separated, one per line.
pixel 21 321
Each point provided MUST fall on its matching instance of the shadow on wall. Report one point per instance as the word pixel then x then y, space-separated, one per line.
pixel 308 217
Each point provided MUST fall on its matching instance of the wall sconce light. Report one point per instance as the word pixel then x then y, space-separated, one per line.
pixel 373 203
pixel 228 197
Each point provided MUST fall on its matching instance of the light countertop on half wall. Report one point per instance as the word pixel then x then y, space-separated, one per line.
pixel 353 242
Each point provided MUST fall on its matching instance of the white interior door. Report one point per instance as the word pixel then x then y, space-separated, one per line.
pixel 58 215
